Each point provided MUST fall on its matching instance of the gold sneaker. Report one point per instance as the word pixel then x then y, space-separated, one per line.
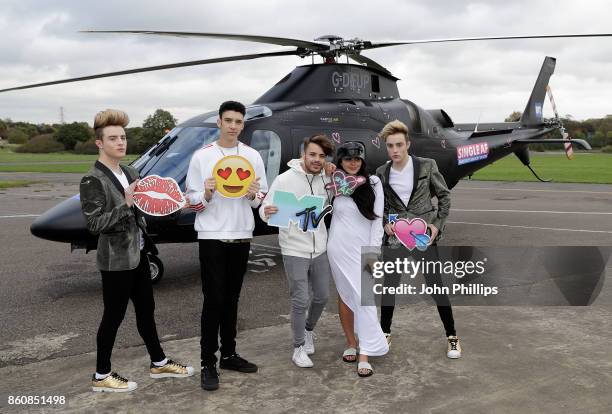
pixel 171 369
pixel 453 350
pixel 113 383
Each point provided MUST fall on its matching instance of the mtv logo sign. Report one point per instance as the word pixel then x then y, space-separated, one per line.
pixel 306 212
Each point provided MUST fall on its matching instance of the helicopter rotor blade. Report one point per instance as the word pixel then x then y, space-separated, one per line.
pixel 369 62
pixel 280 41
pixel 303 48
pixel 158 67
pixel 375 45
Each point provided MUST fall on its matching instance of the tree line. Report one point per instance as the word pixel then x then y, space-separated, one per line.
pixel 79 137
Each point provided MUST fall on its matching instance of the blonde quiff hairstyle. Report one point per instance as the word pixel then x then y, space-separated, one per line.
pixel 394 127
pixel 109 117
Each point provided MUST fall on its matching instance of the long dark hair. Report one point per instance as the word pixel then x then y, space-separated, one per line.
pixel 363 196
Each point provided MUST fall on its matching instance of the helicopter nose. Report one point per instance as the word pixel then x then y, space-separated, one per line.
pixel 63 223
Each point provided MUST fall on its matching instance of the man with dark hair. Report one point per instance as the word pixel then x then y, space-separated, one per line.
pixel 409 184
pixel 225 227
pixel 232 106
pixel 107 200
pixel 304 253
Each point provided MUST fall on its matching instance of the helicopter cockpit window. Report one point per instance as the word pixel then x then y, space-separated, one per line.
pixel 174 161
pixel 252 112
pixel 157 148
pixel 268 144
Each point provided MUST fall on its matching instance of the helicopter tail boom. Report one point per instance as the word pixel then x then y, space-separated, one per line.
pixel 532 115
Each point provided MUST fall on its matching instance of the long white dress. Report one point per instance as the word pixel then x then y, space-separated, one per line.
pixel 349 231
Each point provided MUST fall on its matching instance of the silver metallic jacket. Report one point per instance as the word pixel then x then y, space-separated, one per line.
pixel 428 183
pixel 108 216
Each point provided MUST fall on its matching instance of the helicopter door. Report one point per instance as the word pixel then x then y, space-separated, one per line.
pixel 268 144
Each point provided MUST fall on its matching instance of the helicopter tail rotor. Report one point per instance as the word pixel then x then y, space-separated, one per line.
pixel 569 149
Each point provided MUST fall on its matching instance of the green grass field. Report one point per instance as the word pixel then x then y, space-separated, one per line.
pixel 52 163
pixel 584 168
pixel 47 168
pixel 9 156
pixel 16 183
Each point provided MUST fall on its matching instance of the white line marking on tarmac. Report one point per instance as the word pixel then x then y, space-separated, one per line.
pixel 530 227
pixel 531 190
pixel 532 211
pixel 20 216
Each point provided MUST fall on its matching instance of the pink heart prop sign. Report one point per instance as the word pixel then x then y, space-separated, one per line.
pixel 405 231
pixel 344 184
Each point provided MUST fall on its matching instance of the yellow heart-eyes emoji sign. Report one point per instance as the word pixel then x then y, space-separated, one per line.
pixel 233 174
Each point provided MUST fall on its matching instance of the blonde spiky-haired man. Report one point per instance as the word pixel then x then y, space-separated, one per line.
pixel 409 184
pixel 107 204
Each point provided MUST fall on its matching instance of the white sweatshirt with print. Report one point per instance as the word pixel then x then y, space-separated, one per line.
pixel 223 218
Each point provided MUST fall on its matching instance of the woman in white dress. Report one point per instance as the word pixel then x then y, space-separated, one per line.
pixel 356 222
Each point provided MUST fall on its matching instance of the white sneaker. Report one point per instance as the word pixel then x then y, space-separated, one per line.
pixel 301 358
pixel 309 337
pixel 453 350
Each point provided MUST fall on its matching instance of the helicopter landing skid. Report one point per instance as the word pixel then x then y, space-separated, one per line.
pixel 536 175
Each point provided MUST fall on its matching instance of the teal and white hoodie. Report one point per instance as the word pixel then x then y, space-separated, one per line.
pixel 292 240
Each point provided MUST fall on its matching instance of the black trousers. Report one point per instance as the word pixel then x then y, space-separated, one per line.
pixel 222 268
pixel 445 312
pixel 443 304
pixel 117 289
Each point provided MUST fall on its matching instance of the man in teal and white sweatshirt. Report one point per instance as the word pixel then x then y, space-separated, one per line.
pixel 304 253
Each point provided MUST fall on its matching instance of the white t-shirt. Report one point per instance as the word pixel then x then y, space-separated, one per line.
pixel 124 182
pixel 122 178
pixel 402 181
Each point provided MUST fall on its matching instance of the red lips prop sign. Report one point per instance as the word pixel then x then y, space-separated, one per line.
pixel 158 196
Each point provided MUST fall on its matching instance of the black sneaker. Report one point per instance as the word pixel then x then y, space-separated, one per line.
pixel 236 363
pixel 210 378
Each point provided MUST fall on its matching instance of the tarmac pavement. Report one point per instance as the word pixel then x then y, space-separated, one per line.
pixel 516 359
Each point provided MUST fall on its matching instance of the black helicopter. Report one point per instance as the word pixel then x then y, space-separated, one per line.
pixel 345 101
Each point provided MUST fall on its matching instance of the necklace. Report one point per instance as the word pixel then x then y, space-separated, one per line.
pixel 224 154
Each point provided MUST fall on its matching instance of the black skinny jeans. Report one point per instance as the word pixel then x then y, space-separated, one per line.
pixel 118 287
pixel 222 268
pixel 443 304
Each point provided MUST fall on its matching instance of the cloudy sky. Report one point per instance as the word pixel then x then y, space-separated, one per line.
pixel 472 81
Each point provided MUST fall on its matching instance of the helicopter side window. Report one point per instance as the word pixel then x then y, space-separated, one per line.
pixel 268 144
pixel 375 84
